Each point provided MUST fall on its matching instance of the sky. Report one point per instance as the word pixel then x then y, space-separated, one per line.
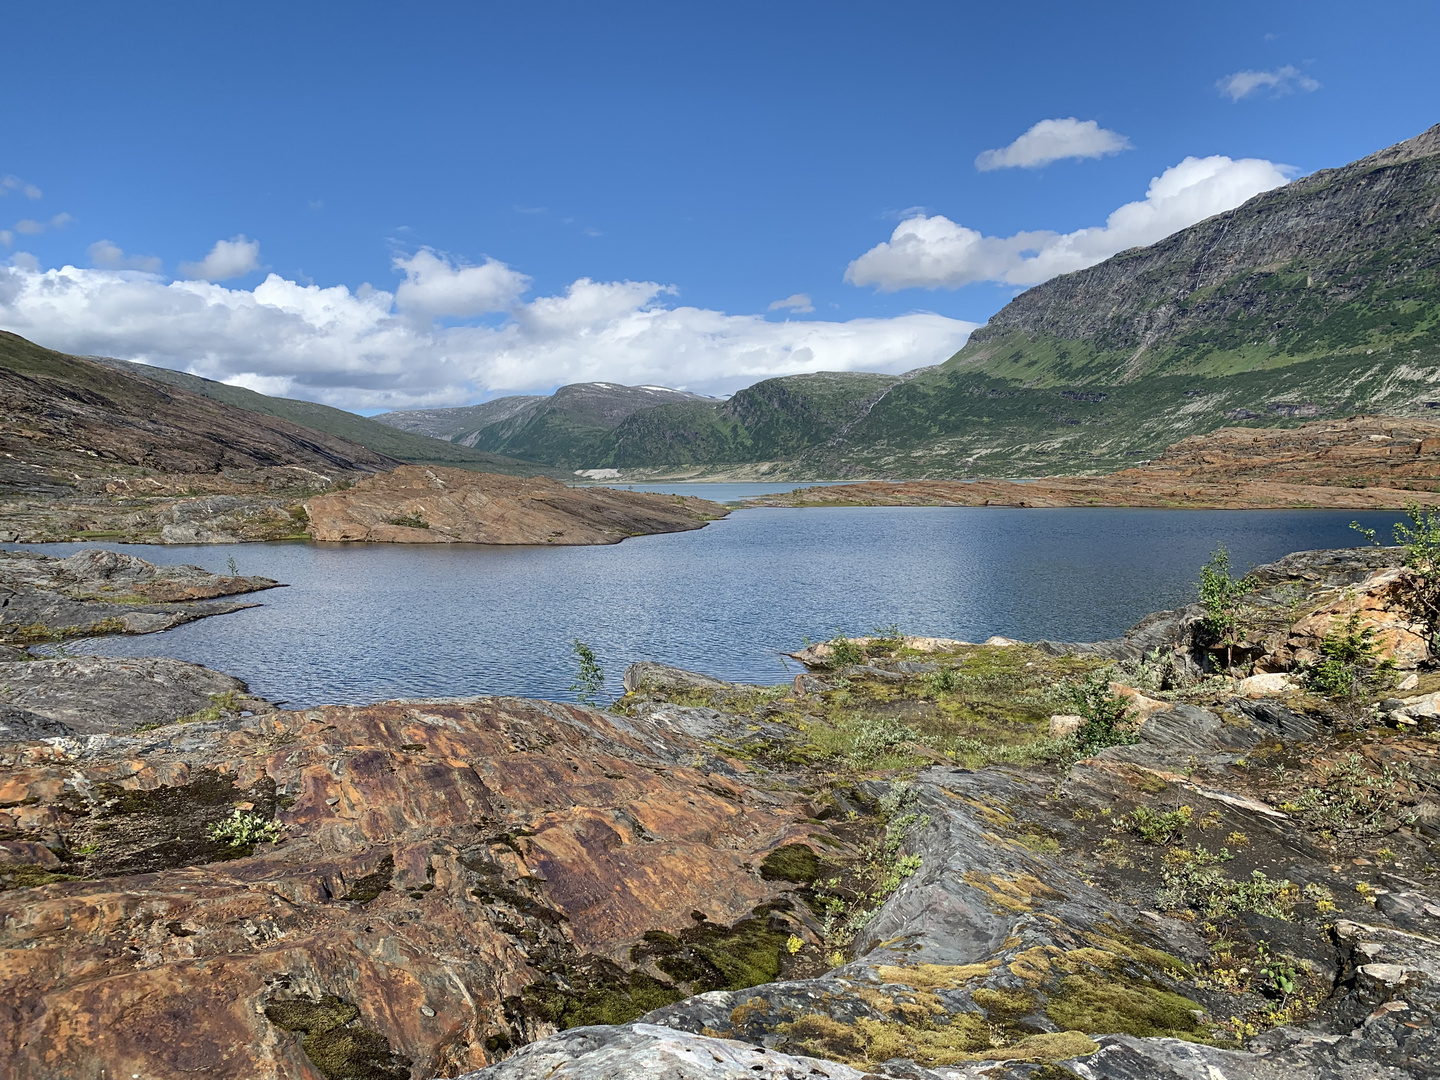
pixel 383 206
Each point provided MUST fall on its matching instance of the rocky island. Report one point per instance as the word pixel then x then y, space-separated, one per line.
pixel 418 505
pixel 921 860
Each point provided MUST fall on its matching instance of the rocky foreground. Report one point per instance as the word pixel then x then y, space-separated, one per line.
pixel 891 869
pixel 1359 463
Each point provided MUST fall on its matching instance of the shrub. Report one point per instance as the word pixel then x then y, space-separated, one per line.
pixel 1351 797
pixel 878 737
pixel 844 652
pixel 590 678
pixel 1106 714
pixel 1223 597
pixel 1191 877
pixel 1349 664
pixel 1157 827
pixel 244 829
pixel 410 521
pixel 1420 538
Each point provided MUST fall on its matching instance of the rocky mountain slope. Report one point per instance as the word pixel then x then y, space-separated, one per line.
pixel 402 445
pixel 892 868
pixel 1318 299
pixel 567 427
pixel 1356 463
pixel 64 419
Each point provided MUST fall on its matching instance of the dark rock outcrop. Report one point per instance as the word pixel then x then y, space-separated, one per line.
pixel 43 598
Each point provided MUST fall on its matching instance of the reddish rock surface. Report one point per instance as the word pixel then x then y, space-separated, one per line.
pixel 419 505
pixel 432 855
pixel 1359 463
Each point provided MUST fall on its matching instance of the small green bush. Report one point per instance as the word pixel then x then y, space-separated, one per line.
pixel 1106 715
pixel 844 652
pixel 244 829
pixel 1158 827
pixel 590 677
pixel 1223 597
pixel 410 521
pixel 1349 665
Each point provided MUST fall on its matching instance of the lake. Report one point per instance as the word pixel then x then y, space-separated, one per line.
pixel 363 623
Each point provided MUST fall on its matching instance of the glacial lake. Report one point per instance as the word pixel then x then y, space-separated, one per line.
pixel 359 623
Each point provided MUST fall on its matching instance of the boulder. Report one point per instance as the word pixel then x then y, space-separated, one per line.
pixel 1265 685
pixel 1065 725
pixel 1380 602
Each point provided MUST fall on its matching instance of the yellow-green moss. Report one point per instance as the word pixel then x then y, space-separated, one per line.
pixel 1103 1006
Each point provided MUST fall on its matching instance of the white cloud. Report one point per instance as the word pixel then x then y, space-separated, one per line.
pixel 434 287
pixel 936 253
pixel 109 256
pixel 1282 80
pixel 362 349
pixel 800 302
pixel 14 183
pixel 231 258
pixel 7 238
pixel 31 227
pixel 1052 140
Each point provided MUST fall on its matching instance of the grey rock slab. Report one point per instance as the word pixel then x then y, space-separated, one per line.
pixel 101 694
pixel 21 725
pixel 649 1052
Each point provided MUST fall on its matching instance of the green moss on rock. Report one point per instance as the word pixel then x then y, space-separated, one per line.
pixel 793 862
pixel 1101 1006
pixel 336 1044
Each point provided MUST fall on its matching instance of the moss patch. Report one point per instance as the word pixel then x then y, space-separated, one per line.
pixel 28 875
pixel 793 862
pixel 336 1044
pixel 592 990
pixel 711 956
pixel 367 888
pixel 1100 1007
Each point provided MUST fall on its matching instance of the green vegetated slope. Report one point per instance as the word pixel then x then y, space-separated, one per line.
pixel 403 445
pixel 773 420
pixel 1321 298
pixel 569 428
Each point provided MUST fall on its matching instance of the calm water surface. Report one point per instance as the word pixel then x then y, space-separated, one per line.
pixel 362 623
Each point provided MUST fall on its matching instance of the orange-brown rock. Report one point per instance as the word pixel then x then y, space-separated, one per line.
pixel 1363 462
pixel 419 505
pixel 434 858
pixel 1380 603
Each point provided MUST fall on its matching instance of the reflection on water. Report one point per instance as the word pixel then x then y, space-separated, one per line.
pixel 361 623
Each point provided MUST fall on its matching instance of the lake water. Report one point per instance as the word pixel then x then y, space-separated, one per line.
pixel 362 623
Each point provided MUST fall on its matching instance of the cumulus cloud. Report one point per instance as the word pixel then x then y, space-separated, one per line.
pixel 1282 80
pixel 1053 140
pixel 109 256
pixel 363 349
pixel 800 302
pixel 29 227
pixel 231 258
pixel 936 253
pixel 434 287
pixel 7 238
pixel 14 183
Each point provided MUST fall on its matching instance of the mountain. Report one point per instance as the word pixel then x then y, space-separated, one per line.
pixel 416 448
pixel 1320 299
pixel 1317 299
pixel 569 427
pixel 63 418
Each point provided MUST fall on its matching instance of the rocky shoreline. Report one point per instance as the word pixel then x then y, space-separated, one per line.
pixel 890 869
pixel 1359 463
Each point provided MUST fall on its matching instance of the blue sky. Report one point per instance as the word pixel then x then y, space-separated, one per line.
pixel 738 154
